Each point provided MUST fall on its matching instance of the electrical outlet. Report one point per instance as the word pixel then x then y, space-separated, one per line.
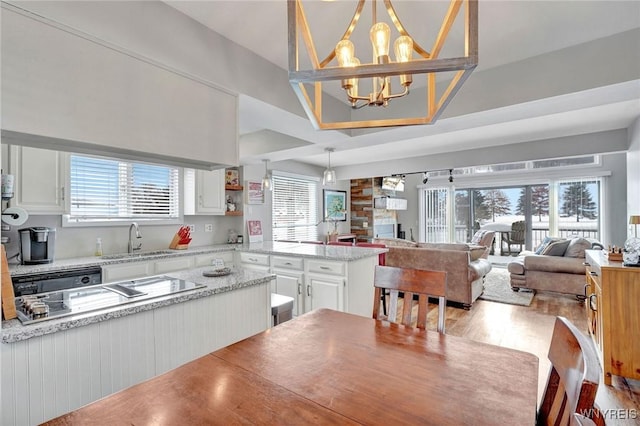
pixel 208 227
pixel 192 228
pixel 365 224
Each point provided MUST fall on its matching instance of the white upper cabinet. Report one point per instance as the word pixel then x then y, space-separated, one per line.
pixel 66 89
pixel 39 179
pixel 204 192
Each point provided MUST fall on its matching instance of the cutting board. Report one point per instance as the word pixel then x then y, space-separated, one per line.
pixel 8 297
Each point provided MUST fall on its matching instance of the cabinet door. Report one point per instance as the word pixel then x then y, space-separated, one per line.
pixel 172 264
pixel 289 283
pixel 323 291
pixel 207 259
pixel 39 179
pixel 210 192
pixel 125 271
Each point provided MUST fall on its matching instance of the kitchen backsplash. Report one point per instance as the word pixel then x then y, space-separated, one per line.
pixel 81 241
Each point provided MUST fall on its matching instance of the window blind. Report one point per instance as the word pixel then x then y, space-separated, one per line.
pixel 434 211
pixel 109 189
pixel 294 208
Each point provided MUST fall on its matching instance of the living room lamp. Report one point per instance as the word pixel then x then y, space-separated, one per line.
pixel 348 70
pixel 329 175
pixel 635 221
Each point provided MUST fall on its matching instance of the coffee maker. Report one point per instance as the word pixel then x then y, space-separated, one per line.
pixel 37 245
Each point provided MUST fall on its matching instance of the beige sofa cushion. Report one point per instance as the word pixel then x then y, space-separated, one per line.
pixel 395 242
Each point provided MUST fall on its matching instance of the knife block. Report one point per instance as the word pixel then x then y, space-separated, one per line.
pixel 175 243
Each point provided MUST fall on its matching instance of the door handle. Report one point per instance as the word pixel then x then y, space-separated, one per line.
pixel 593 303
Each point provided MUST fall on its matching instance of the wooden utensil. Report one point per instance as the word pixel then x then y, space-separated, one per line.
pixel 8 297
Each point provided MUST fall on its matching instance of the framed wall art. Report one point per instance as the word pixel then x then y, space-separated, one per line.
pixel 255 193
pixel 335 205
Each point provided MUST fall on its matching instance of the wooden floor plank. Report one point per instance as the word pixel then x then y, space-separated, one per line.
pixel 529 328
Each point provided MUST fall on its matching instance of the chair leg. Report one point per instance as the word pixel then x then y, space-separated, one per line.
pixel 384 302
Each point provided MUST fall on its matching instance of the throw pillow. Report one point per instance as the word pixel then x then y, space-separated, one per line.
pixel 546 242
pixel 577 246
pixel 556 248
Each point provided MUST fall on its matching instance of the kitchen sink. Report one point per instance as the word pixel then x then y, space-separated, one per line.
pixel 138 254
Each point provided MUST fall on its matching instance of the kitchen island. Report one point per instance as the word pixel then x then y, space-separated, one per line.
pixel 50 368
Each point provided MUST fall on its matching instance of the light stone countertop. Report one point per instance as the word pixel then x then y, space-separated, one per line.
pixel 62 264
pixel 14 331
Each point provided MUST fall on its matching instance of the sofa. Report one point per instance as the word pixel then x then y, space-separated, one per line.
pixel 465 264
pixel 557 265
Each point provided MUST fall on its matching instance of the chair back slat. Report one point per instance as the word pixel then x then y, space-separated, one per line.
pixel 574 376
pixel 410 281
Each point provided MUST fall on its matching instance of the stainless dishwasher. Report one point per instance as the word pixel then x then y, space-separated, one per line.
pixel 41 282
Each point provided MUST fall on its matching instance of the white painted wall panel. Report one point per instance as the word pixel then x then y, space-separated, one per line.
pixel 62 85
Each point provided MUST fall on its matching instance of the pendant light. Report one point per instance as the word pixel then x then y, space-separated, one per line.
pixel 266 180
pixel 329 176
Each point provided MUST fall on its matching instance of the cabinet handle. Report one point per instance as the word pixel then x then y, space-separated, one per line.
pixel 593 305
pixel 299 288
pixel 586 264
pixel 287 263
pixel 62 193
pixel 586 286
pixel 309 290
pixel 253 259
pixel 200 199
pixel 593 273
pixel 326 268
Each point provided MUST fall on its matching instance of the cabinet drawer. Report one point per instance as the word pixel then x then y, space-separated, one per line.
pixel 255 258
pixel 287 262
pixel 327 267
pixel 125 271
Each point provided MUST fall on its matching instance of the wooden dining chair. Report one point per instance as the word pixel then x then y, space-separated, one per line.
pixel 410 281
pixel 340 243
pixel 574 376
pixel 382 260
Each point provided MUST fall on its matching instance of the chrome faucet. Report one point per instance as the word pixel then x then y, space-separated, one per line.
pixel 130 247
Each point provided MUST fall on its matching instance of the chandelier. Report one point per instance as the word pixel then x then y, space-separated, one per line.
pixel 389 79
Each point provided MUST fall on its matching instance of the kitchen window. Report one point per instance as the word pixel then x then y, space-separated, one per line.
pixel 295 207
pixel 112 190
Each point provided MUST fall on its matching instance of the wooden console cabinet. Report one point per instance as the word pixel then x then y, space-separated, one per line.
pixel 613 309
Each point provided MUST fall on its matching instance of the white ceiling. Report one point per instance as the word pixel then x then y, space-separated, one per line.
pixel 509 31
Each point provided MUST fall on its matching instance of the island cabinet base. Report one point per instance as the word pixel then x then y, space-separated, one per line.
pixel 44 377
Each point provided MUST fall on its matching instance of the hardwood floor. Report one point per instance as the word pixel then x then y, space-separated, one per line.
pixel 529 329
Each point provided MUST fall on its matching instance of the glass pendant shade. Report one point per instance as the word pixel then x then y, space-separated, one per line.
pixel 329 175
pixel 266 180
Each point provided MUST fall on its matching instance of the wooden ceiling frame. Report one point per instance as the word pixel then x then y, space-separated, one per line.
pixel 299 36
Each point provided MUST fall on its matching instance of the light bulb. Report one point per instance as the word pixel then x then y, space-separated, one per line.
pixel 266 180
pixel 345 52
pixel 329 177
pixel 353 82
pixel 379 35
pixel 403 48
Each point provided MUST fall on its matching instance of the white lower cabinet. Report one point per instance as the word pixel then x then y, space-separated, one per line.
pixel 257 262
pixel 145 268
pixel 126 271
pixel 325 285
pixel 289 272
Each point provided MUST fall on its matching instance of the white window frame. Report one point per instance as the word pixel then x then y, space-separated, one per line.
pixel 68 221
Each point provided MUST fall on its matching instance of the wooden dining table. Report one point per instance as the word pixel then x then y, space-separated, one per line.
pixel 330 367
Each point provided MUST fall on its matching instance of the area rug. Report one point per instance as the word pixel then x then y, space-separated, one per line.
pixel 497 289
